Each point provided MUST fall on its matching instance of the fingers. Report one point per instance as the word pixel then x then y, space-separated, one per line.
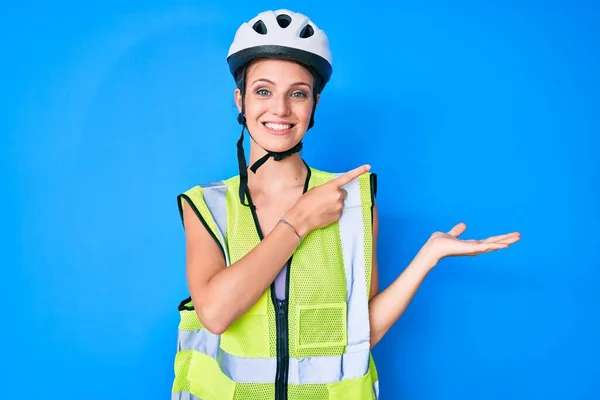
pixel 492 246
pixel 476 248
pixel 509 237
pixel 486 247
pixel 457 230
pixel 351 175
pixel 344 193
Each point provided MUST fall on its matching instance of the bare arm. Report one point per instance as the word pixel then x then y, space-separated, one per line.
pixel 387 307
pixel 221 294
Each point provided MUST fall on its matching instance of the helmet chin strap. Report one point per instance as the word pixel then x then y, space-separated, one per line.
pixel 277 155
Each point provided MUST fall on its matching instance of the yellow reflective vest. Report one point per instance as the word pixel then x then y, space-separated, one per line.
pixel 315 344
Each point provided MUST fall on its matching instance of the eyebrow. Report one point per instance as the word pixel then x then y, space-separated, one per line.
pixel 273 83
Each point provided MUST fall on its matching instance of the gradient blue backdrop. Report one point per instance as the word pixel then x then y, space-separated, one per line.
pixel 483 112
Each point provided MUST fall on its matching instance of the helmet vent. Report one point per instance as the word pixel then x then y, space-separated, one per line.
pixel 284 20
pixel 260 27
pixel 307 32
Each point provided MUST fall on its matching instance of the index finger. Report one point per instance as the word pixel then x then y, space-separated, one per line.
pixel 351 175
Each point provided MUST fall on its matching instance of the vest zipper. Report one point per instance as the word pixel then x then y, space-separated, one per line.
pixel 281 311
pixel 283 350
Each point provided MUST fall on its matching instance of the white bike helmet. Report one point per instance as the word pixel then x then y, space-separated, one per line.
pixel 281 34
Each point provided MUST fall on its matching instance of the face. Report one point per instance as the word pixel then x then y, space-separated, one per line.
pixel 279 102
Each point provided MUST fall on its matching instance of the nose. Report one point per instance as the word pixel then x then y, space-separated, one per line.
pixel 280 105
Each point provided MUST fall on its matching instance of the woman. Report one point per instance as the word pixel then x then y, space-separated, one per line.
pixel 281 261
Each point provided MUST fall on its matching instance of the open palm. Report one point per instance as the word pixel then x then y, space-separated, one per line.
pixel 448 244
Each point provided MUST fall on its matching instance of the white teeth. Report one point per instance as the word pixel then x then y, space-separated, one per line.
pixel 278 127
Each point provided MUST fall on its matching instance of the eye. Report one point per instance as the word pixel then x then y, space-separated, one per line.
pixel 299 94
pixel 263 92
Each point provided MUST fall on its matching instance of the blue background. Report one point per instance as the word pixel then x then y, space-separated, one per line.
pixel 483 112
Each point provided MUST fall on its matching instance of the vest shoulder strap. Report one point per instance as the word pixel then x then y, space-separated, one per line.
pixel 208 201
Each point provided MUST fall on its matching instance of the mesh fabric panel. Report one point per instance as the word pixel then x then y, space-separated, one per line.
pixel 254 391
pixel 365 194
pixel 317 277
pixel 373 369
pixel 253 334
pixel 308 392
pixel 182 365
pixel 189 321
pixel 330 334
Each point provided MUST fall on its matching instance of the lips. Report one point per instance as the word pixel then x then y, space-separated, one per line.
pixel 278 127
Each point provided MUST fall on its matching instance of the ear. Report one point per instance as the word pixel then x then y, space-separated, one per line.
pixel 237 96
pixel 317 99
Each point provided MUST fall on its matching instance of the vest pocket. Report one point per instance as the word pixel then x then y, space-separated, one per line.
pixel 352 389
pixel 248 336
pixel 321 325
pixel 206 379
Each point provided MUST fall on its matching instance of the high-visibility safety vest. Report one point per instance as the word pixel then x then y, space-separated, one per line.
pixel 315 344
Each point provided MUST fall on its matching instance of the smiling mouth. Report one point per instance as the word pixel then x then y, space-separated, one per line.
pixel 278 127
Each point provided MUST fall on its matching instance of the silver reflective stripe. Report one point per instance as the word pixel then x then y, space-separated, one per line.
pixel 238 369
pixel 215 195
pixel 352 236
pixel 326 369
pixel 200 340
pixel 247 370
pixel 183 396
pixel 376 389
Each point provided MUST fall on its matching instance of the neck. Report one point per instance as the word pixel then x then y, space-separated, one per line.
pixel 276 176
